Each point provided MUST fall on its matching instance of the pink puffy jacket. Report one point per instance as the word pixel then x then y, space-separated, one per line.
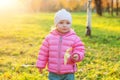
pixel 53 49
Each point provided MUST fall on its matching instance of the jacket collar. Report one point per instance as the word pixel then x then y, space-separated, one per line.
pixel 55 32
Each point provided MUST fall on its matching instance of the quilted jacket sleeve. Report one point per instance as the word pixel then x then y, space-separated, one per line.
pixel 78 48
pixel 43 55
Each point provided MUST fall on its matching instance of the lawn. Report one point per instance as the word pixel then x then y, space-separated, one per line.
pixel 21 37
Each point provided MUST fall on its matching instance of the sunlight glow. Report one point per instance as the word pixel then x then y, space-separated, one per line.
pixel 7 3
pixel 11 6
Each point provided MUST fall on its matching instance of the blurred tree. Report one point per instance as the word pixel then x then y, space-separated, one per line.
pixel 69 4
pixel 111 9
pixel 88 27
pixel 57 5
pixel 63 3
pixel 82 5
pixel 108 7
pixel 35 5
pixel 72 4
pixel 117 7
pixel 105 5
pixel 98 5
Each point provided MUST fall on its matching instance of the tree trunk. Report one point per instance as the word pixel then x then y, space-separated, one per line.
pixel 117 7
pixel 88 27
pixel 98 4
pixel 108 7
pixel 111 10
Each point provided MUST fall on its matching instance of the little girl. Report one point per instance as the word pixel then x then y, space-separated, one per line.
pixel 54 48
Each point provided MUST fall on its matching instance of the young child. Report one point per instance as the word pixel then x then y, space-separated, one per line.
pixel 54 48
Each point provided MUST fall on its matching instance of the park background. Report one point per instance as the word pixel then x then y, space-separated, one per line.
pixel 25 23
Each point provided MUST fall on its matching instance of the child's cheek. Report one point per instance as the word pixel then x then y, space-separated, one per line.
pixel 59 25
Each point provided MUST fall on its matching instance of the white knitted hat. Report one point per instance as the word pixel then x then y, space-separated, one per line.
pixel 62 15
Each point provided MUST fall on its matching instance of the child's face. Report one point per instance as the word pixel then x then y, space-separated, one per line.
pixel 63 26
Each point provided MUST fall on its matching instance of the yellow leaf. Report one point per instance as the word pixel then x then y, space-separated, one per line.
pixel 67 55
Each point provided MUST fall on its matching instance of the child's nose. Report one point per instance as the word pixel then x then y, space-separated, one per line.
pixel 64 25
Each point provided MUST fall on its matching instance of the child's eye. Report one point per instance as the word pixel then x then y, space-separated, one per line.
pixel 68 22
pixel 61 22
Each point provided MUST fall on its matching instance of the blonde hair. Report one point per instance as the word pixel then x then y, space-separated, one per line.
pixel 53 28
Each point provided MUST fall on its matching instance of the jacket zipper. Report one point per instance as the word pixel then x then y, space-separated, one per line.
pixel 59 48
pixel 73 68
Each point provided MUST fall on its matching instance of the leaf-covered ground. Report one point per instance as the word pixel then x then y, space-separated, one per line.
pixel 21 37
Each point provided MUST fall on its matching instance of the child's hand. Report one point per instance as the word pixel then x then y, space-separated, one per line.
pixel 40 70
pixel 75 57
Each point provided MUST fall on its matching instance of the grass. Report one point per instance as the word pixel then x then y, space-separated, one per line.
pixel 21 36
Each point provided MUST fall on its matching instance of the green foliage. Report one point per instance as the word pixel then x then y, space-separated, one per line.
pixel 21 36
